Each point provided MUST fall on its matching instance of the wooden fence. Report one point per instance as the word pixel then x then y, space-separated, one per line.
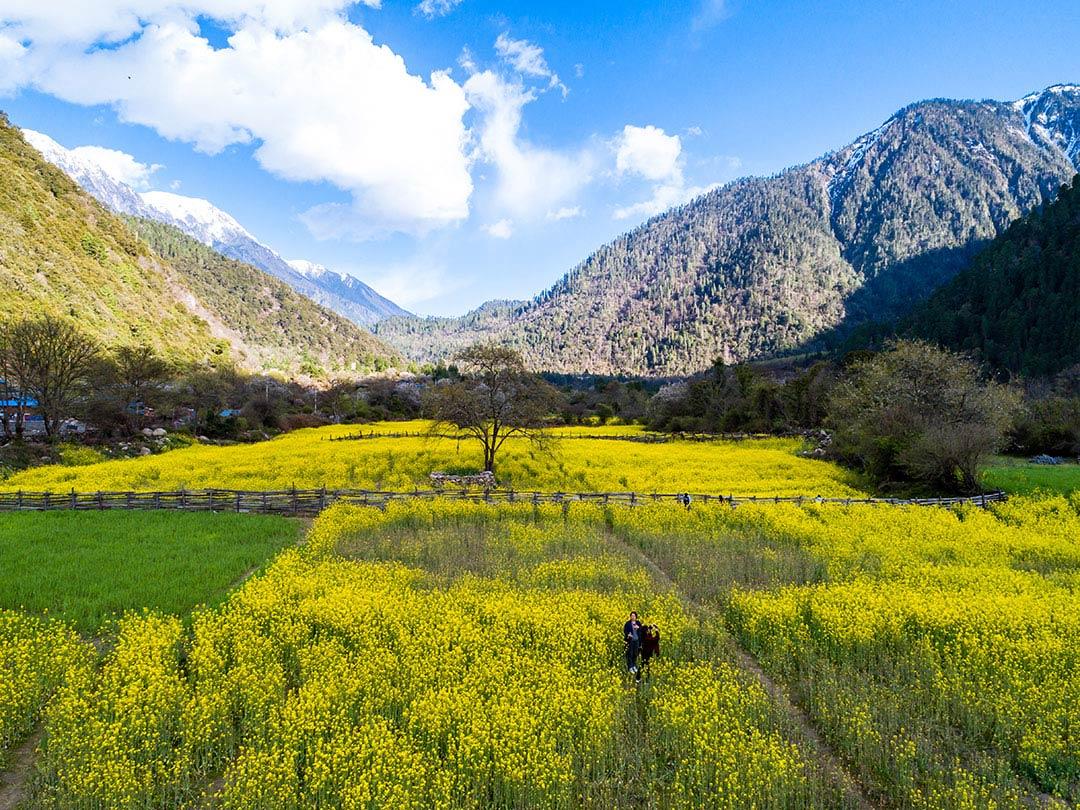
pixel 641 438
pixel 312 501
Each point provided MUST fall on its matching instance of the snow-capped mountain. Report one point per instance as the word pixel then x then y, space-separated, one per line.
pixel 1053 116
pixel 349 288
pixel 88 173
pixel 207 223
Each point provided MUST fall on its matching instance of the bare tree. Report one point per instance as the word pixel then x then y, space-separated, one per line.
pixel 140 374
pixel 493 399
pixel 14 371
pixel 50 360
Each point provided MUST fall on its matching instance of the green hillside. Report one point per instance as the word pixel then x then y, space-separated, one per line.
pixel 63 253
pixel 272 325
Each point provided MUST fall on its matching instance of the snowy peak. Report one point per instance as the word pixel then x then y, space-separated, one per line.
pixel 1053 115
pixel 306 268
pixel 103 174
pixel 87 168
pixel 196 217
pixel 370 306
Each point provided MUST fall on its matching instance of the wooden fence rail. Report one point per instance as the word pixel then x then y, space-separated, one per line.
pixel 312 501
pixel 641 438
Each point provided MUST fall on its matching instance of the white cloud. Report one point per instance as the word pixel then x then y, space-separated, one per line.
pixel 118 165
pixel 436 8
pixel 694 132
pixel 412 283
pixel 527 58
pixel 503 229
pixel 664 196
pixel 531 180
pixel 111 21
pixel 649 152
pixel 565 213
pixel 319 100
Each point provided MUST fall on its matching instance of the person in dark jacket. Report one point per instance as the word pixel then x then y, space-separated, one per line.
pixel 632 639
pixel 650 643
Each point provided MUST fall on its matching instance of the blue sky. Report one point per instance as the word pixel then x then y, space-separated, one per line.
pixel 321 125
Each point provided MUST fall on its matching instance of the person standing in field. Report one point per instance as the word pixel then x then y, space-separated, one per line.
pixel 650 644
pixel 632 638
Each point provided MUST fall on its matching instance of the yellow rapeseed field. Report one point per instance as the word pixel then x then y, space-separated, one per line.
pixel 454 654
pixel 484 672
pixel 937 650
pixel 309 459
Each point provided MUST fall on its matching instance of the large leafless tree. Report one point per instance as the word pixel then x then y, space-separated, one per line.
pixel 48 359
pixel 493 399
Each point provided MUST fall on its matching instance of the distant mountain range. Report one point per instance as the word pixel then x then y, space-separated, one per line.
pixel 766 265
pixel 215 228
pixel 144 282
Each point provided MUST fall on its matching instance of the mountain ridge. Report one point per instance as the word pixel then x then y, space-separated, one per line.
pixel 62 252
pixel 763 265
pixel 216 228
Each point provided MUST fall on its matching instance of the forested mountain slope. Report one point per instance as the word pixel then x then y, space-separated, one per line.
pixel 62 252
pixel 767 264
pixel 272 325
pixel 219 230
pixel 1018 305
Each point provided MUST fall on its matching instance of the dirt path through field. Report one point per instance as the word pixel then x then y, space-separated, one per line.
pixel 16 776
pixel 826 760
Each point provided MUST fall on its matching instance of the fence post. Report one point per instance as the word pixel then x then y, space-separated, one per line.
pixel 100 500
pixel 322 498
pixel 74 499
pixel 183 498
pixel 45 500
pixel 295 504
pixel 238 501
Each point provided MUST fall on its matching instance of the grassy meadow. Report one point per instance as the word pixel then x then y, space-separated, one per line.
pixel 571 462
pixel 89 567
pixel 1021 477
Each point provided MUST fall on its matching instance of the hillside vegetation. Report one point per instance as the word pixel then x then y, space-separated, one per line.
pixel 1018 305
pixel 62 253
pixel 767 264
pixel 275 327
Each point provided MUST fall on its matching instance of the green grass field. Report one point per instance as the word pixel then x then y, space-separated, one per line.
pixel 89 567
pixel 1019 477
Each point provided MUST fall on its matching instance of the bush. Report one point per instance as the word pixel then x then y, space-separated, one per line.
pixel 919 414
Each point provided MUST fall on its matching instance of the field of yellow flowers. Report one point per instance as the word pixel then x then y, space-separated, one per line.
pixel 454 654
pixel 437 655
pixel 938 651
pixel 575 461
